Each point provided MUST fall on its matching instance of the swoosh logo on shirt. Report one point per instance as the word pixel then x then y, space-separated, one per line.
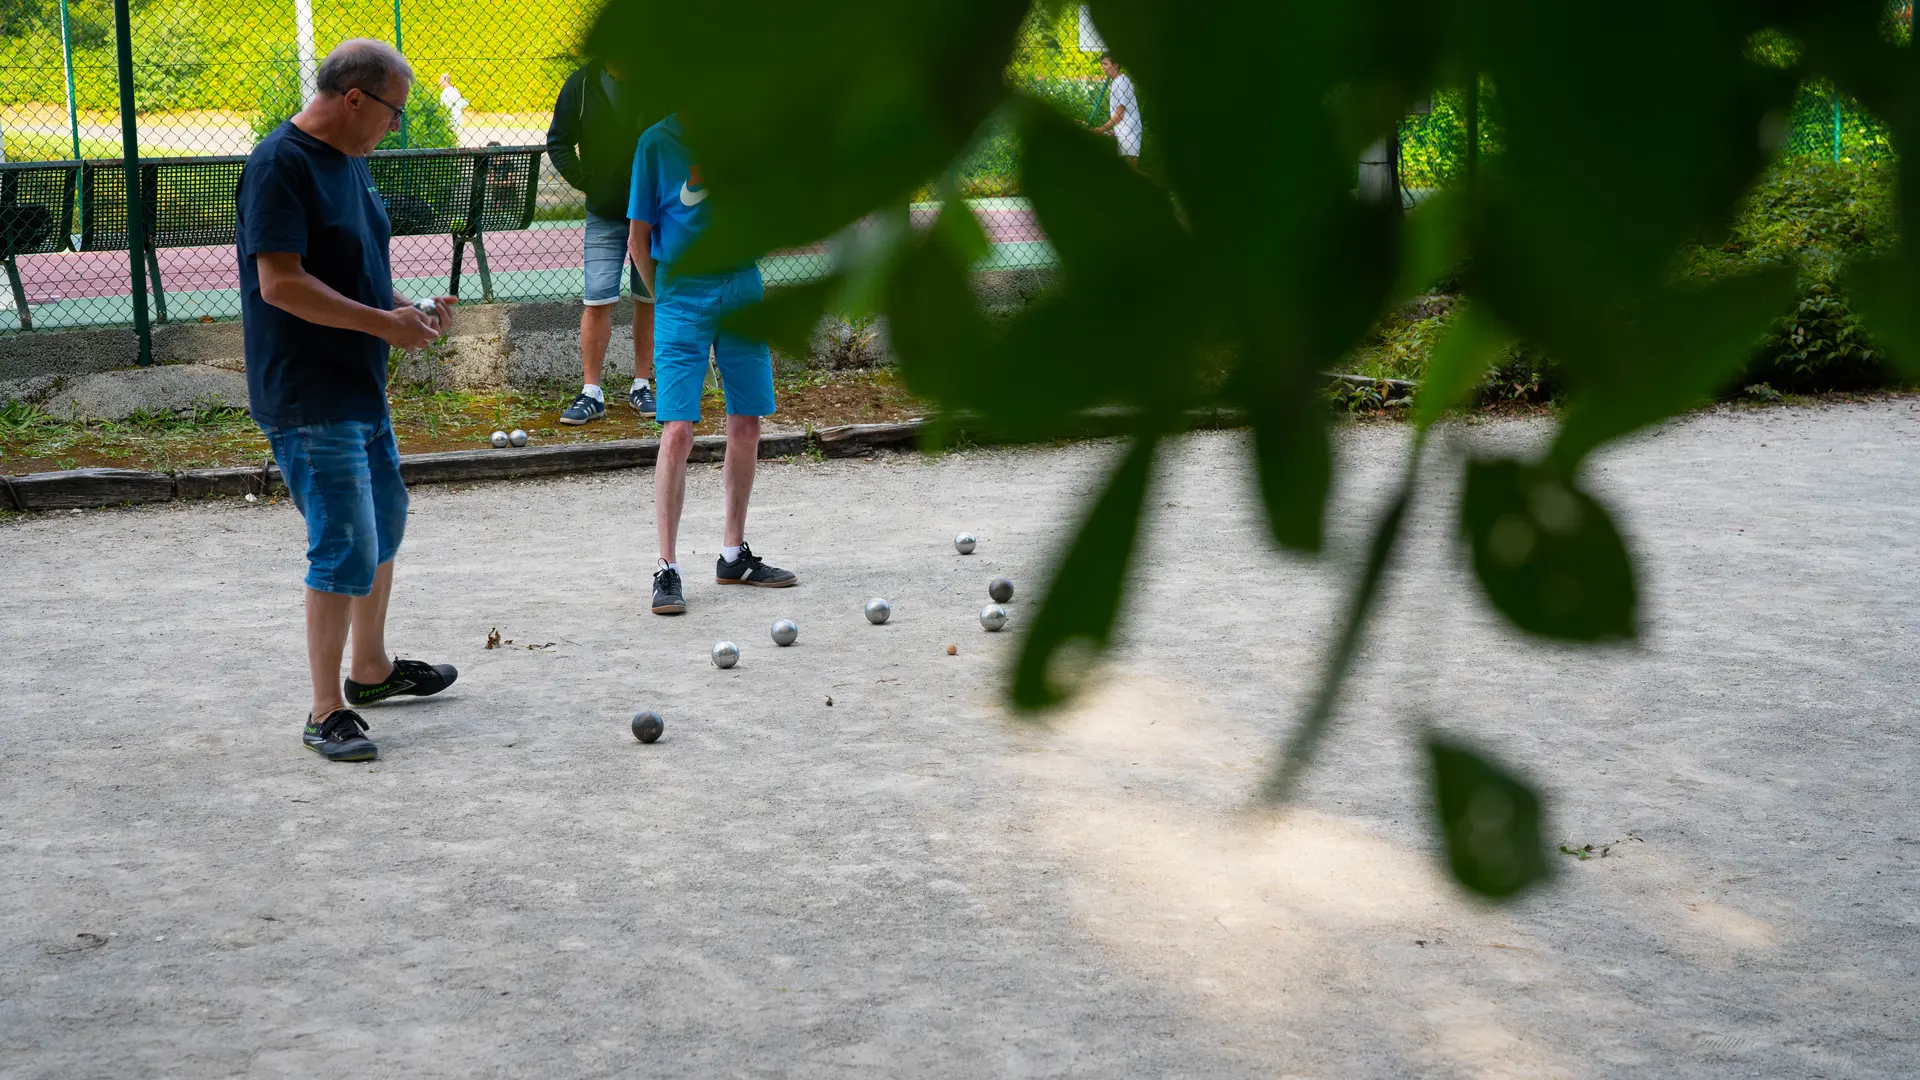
pixel 690 197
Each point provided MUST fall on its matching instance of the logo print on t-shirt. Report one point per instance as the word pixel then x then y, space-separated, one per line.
pixel 688 196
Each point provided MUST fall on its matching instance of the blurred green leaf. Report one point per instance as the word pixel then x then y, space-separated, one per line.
pixel 1547 553
pixel 1886 296
pixel 787 317
pixel 1295 465
pixel 1489 819
pixel 1305 740
pixel 805 117
pixel 1472 345
pixel 1434 242
pixel 1084 596
pixel 1665 354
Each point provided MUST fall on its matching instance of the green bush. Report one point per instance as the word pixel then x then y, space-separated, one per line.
pixel 1814 215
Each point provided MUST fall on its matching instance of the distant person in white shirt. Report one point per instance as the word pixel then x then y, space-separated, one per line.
pixel 1124 124
pixel 454 102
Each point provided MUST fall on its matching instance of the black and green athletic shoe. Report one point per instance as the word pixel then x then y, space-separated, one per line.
pixel 411 677
pixel 340 737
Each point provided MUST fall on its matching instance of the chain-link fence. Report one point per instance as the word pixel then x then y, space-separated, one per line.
pixel 477 207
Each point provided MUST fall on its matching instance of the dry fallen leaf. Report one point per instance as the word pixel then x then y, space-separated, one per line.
pixel 493 638
pixel 829 700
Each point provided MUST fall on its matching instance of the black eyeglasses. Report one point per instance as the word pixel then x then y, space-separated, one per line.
pixel 399 114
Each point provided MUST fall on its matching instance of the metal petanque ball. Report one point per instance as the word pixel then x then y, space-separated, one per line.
pixel 725 654
pixel 878 611
pixel 517 437
pixel 785 631
pixel 647 725
pixel 993 617
pixel 1000 589
pixel 499 440
pixel 963 543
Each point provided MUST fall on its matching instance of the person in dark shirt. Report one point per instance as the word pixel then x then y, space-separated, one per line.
pixel 596 122
pixel 318 315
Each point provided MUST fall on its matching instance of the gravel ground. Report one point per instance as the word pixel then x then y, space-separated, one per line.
pixel 908 882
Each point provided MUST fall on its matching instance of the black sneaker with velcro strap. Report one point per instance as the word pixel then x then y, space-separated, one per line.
pixel 339 737
pixel 751 569
pixel 410 677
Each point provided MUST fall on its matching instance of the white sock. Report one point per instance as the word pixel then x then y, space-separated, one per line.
pixel 639 384
pixel 730 553
pixel 592 390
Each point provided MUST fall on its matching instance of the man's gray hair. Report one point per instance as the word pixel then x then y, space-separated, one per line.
pixel 361 64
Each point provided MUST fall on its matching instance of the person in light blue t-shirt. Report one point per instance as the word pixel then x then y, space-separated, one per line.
pixel 668 209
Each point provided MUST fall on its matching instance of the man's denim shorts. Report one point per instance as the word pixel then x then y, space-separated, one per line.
pixel 344 476
pixel 606 253
pixel 686 325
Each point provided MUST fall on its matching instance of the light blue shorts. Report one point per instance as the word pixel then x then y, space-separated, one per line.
pixel 686 324
pixel 344 476
pixel 606 253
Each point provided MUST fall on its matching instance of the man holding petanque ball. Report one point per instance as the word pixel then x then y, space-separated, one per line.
pixel 319 314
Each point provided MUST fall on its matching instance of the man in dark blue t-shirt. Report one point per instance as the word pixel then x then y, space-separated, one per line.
pixel 319 314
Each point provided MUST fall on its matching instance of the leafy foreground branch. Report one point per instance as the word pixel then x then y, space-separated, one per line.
pixel 1248 261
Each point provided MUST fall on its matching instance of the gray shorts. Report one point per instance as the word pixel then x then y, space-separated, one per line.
pixel 606 253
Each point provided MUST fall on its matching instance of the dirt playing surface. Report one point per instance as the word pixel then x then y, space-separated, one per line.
pixel 907 882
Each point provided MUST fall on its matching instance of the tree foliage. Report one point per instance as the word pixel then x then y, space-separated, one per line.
pixel 1249 263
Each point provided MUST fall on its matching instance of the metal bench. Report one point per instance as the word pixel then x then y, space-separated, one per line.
pixel 36 216
pixel 463 193
pixel 189 202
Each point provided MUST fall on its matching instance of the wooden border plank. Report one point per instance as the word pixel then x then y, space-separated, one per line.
pixel 77 489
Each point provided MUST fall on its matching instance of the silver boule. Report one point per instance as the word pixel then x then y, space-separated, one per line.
pixel 499 440
pixel 1000 589
pixel 517 437
pixel 785 631
pixel 725 654
pixel 993 617
pixel 878 611
pixel 963 543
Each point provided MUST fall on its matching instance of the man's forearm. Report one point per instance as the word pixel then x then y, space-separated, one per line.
pixel 307 297
pixel 640 248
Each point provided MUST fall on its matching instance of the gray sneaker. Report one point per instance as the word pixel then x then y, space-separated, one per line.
pixel 667 597
pixel 583 409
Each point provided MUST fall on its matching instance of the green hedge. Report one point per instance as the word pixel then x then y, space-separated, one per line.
pixel 505 56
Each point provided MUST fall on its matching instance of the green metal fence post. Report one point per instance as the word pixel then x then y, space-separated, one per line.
pixel 66 57
pixel 400 43
pixel 130 157
pixel 1834 96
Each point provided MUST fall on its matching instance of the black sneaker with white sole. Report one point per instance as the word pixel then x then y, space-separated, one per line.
pixel 643 401
pixel 411 677
pixel 667 597
pixel 585 407
pixel 340 737
pixel 751 569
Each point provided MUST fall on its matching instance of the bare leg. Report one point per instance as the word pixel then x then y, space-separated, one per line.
pixel 743 456
pixel 670 484
pixel 371 664
pixel 643 341
pixel 596 330
pixel 328 615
